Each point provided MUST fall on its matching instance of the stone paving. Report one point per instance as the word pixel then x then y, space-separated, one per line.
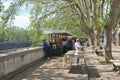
pixel 53 69
pixel 99 71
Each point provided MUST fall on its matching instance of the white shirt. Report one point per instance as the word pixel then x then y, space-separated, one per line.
pixel 77 48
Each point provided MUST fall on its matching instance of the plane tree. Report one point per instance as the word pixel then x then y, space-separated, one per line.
pixel 93 17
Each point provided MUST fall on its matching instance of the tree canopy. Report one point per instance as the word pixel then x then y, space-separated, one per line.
pixel 83 18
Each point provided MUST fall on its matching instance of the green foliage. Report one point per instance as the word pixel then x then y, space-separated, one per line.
pixel 75 16
pixel 35 33
pixel 12 10
pixel 13 34
pixel 105 61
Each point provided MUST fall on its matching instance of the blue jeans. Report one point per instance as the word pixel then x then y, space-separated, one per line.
pixel 77 60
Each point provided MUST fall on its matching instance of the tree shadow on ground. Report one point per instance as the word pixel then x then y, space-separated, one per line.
pixel 78 69
pixel 29 70
pixel 116 51
pixel 92 72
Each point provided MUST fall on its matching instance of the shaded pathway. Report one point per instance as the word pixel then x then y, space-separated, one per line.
pixel 99 71
pixel 52 69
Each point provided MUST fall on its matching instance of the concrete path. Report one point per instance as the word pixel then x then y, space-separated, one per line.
pixel 99 71
pixel 53 69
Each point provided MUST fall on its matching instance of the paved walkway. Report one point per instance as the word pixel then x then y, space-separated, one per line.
pixel 99 71
pixel 53 69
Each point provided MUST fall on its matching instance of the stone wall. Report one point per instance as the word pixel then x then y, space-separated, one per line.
pixel 15 60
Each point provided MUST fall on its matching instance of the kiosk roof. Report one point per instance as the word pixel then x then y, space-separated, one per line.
pixel 60 32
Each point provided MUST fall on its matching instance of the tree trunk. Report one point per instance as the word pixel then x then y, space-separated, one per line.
pixel 107 42
pixel 90 38
pixel 115 8
pixel 114 35
pixel 97 38
pixel 119 39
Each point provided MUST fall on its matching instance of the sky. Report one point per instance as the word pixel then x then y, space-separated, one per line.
pixel 21 20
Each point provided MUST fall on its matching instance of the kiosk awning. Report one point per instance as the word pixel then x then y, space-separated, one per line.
pixel 59 32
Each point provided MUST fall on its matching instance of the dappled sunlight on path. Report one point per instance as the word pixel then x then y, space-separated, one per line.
pixel 99 71
pixel 53 69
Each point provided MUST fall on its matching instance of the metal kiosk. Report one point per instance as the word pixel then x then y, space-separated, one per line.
pixel 55 37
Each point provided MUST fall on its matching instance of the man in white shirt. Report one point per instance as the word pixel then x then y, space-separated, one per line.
pixel 78 49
